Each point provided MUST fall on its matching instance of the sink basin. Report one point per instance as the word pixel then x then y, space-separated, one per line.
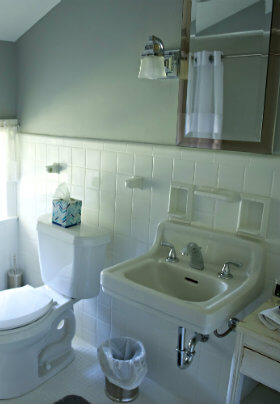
pixel 196 299
pixel 176 281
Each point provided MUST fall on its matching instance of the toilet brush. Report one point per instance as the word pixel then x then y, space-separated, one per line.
pixel 14 276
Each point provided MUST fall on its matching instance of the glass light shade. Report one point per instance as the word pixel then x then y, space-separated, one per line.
pixel 152 67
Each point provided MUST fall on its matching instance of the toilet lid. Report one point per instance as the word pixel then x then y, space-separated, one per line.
pixel 22 306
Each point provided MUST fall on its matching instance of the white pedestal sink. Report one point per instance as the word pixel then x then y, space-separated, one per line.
pixel 196 299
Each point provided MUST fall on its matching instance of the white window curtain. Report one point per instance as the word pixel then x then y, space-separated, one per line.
pixel 9 167
pixel 204 109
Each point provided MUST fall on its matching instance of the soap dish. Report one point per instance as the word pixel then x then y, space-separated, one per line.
pixel 253 215
pixel 180 201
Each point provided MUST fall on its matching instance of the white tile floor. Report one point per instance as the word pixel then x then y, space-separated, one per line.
pixel 83 377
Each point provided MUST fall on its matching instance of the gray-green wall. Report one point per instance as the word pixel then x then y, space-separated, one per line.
pixel 78 70
pixel 7 80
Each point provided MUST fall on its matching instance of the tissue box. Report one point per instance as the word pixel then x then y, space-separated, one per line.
pixel 66 214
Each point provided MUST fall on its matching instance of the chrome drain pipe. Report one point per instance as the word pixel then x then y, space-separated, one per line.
pixel 186 355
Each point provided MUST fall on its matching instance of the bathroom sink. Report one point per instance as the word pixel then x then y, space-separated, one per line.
pixel 176 281
pixel 196 299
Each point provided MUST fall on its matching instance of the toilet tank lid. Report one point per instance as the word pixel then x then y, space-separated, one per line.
pixel 81 233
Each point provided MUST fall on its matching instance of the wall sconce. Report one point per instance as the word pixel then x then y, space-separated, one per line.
pixel 157 63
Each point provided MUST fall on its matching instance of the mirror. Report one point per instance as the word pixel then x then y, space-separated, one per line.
pixel 276 148
pixel 78 71
pixel 228 98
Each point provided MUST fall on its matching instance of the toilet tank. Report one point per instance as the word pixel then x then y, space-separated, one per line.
pixel 71 259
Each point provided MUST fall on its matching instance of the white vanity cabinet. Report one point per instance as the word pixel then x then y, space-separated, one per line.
pixel 256 355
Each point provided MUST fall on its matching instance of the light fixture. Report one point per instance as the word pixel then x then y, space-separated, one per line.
pixel 157 63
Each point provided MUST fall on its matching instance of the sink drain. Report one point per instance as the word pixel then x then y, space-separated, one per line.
pixel 190 280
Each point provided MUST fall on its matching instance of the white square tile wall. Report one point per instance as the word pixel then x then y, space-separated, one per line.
pixel 96 173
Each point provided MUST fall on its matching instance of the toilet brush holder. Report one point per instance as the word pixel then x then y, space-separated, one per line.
pixel 15 279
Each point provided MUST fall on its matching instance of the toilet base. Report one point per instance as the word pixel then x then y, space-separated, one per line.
pixel 34 353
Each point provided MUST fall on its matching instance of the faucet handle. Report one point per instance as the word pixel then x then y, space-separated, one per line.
pixel 235 264
pixel 166 244
pixel 172 257
pixel 225 272
pixel 185 251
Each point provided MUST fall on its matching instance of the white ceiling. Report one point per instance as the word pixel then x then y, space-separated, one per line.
pixel 17 16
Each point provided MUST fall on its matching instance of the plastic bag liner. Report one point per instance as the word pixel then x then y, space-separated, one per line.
pixel 123 361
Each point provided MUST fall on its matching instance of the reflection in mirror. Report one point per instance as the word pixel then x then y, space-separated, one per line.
pixel 239 30
pixel 277 130
pixel 223 99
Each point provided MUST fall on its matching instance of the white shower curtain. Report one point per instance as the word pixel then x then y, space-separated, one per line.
pixel 204 109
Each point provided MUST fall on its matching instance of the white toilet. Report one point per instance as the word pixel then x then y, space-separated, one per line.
pixel 37 325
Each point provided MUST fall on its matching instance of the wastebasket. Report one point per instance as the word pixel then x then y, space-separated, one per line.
pixel 123 362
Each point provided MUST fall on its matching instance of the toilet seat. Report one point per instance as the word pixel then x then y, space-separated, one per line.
pixel 22 306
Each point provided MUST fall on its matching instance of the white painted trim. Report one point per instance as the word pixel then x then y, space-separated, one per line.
pixel 4 123
pixel 9 219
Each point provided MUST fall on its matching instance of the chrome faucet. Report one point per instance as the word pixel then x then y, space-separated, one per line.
pixel 225 271
pixel 196 258
pixel 172 257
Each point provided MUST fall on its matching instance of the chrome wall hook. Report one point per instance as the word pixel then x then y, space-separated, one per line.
pixel 55 168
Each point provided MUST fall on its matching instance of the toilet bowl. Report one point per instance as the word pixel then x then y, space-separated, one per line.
pixel 37 325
